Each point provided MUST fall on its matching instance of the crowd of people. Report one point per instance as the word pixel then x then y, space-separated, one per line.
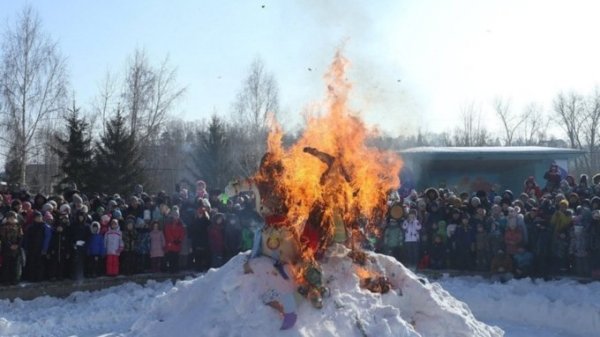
pixel 73 236
pixel 539 232
pixel 554 230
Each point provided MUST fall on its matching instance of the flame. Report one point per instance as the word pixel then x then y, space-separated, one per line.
pixel 364 273
pixel 329 176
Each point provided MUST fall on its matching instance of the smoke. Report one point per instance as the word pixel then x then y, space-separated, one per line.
pixel 380 92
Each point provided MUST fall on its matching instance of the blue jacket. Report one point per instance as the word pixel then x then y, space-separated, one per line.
pixel 95 245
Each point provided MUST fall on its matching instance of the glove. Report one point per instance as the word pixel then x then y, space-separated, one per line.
pixel 79 243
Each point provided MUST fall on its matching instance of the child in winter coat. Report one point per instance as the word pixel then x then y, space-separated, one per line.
pixel 174 236
pixel 216 240
pixel 113 242
pixel 482 249
pixel 393 238
pixel 142 246
pixel 438 253
pixel 127 257
pixel 95 250
pixel 411 227
pixel 578 248
pixel 157 247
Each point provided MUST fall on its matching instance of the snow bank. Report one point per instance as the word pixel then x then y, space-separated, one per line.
pixel 226 302
pixel 565 306
pixel 112 310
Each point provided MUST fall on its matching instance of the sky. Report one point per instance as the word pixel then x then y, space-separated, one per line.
pixel 414 64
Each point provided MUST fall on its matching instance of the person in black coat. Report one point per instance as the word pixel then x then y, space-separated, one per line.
pixel 61 249
pixel 36 243
pixel 198 233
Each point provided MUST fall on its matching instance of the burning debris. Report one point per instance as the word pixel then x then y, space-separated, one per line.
pixel 328 188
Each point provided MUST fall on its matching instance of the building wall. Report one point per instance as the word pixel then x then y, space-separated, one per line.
pixel 469 175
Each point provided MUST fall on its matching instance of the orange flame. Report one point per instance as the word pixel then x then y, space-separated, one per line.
pixel 330 178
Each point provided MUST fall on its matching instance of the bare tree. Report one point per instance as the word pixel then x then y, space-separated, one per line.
pixel 471 132
pixel 591 126
pixel 139 87
pixel 510 122
pixel 568 110
pixel 32 85
pixel 535 125
pixel 258 97
pixel 149 94
pixel 165 95
pixel 105 101
pixel 256 101
pixel 569 114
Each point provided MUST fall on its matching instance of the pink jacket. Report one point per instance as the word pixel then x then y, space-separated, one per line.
pixel 113 242
pixel 157 243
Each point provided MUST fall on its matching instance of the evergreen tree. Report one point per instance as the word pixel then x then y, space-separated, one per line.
pixel 75 151
pixel 118 159
pixel 210 156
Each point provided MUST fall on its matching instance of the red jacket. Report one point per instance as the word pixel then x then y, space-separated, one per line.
pixel 216 239
pixel 174 235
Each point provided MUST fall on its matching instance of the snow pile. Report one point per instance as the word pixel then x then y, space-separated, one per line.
pixel 565 306
pixel 226 302
pixel 110 310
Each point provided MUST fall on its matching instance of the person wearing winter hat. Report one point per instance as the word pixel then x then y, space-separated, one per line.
pixel 49 218
pixel 104 223
pixel 47 207
pixel 113 242
pixel 116 214
pixel 11 236
pixel 95 250
pixel 174 236
pixel 65 209
pixel 37 241
pixel 201 192
pixel 77 201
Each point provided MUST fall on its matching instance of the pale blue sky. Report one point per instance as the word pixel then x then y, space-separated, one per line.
pixel 445 53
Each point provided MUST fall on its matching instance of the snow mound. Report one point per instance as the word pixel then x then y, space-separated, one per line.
pixel 227 302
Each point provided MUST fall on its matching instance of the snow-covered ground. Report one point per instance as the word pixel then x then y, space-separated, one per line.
pixel 521 308
pixel 524 308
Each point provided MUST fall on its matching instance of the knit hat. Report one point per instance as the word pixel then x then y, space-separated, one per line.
pixel 105 218
pixel 65 209
pixel 564 202
pixel 53 203
pixel 48 216
pixel 47 207
pixel 77 199
pixel 117 214
pixel 37 214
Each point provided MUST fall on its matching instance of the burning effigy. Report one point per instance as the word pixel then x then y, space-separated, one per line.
pixel 328 188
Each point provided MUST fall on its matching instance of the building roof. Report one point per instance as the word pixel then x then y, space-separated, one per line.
pixel 490 152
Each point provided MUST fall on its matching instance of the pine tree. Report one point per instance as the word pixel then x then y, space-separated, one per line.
pixel 210 156
pixel 75 151
pixel 118 159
